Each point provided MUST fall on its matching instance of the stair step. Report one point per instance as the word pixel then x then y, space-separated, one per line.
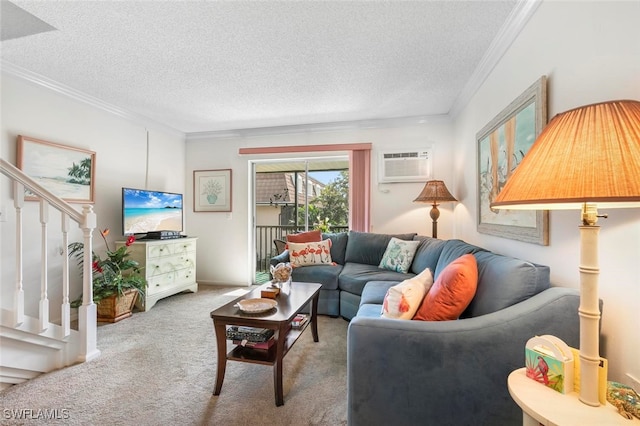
pixel 16 375
pixel 27 352
pixel 31 326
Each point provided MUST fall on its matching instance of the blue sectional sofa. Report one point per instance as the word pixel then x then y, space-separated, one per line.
pixel 356 256
pixel 408 372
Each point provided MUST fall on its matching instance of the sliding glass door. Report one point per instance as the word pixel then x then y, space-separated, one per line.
pixel 295 195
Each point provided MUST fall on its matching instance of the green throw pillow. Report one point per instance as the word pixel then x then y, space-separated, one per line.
pixel 399 255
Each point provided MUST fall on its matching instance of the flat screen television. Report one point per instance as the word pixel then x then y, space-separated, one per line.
pixel 145 211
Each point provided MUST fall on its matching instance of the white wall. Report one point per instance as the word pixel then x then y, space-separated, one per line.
pixel 590 52
pixel 223 247
pixel 121 159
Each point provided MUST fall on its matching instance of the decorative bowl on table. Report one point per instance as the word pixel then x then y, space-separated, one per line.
pixel 256 306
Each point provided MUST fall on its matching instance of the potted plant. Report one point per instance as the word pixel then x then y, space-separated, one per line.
pixel 116 280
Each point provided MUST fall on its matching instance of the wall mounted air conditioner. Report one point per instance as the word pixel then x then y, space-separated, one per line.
pixel 405 166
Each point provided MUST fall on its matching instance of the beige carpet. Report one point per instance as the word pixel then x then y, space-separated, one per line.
pixel 158 368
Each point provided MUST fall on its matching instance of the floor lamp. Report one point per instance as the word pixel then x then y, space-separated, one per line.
pixel 585 158
pixel 434 192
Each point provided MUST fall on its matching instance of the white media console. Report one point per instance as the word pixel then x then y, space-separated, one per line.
pixel 169 266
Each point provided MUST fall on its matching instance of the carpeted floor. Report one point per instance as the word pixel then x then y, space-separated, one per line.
pixel 158 368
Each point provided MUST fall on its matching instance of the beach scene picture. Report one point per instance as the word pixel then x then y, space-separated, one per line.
pixel 65 171
pixel 146 211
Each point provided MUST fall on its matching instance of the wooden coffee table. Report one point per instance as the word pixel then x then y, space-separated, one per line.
pixel 292 299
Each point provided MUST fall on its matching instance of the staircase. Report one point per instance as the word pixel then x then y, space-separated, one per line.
pixel 30 346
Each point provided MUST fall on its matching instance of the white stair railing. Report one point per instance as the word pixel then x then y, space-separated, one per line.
pixel 86 220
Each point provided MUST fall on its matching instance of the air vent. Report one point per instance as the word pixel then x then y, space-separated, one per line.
pixel 405 166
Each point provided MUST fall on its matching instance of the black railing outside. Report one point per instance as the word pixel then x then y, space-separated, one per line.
pixel 265 247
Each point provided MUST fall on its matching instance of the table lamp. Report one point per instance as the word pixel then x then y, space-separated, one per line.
pixel 585 158
pixel 435 192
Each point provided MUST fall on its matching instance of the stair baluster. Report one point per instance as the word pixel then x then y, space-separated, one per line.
pixel 66 306
pixel 18 302
pixel 44 262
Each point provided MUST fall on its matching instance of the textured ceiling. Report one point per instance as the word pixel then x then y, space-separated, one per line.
pixel 214 66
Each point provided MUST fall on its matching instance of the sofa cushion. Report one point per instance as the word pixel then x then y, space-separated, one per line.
pixel 354 276
pixel 305 237
pixel 374 292
pixel 369 310
pixel 403 300
pixel 398 255
pixel 427 254
pixel 504 281
pixel 452 292
pixel 327 275
pixel 368 248
pixel 349 305
pixel 338 245
pixel 452 250
pixel 311 253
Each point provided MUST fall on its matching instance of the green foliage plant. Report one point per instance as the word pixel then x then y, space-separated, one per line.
pixel 331 206
pixel 114 274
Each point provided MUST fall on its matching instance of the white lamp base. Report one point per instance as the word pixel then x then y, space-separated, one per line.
pixel 589 312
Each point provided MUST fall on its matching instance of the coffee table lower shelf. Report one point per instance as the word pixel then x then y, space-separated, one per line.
pixel 264 356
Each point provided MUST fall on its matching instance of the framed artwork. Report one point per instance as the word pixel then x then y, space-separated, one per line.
pixel 502 144
pixel 66 171
pixel 212 190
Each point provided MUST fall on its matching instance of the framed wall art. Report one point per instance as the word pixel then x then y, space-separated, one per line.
pixel 212 190
pixel 68 172
pixel 502 144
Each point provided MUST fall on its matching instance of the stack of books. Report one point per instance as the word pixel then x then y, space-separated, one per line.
pixel 250 334
pixel 299 321
pixel 255 345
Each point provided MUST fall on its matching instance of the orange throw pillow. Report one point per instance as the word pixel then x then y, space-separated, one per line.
pixel 452 292
pixel 305 237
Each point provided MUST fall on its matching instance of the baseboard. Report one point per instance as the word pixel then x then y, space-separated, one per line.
pixel 223 284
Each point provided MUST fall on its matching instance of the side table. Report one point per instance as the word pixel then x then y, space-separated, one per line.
pixel 542 405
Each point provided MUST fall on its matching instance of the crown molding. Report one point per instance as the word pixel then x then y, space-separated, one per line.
pixel 42 81
pixel 318 127
pixel 520 15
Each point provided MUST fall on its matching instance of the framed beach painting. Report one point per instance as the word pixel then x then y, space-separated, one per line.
pixel 502 144
pixel 67 172
pixel 212 190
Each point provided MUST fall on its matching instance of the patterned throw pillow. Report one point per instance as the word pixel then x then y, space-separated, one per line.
pixel 402 300
pixel 399 255
pixel 312 253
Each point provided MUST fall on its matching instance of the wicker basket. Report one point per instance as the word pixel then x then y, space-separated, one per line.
pixel 115 308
